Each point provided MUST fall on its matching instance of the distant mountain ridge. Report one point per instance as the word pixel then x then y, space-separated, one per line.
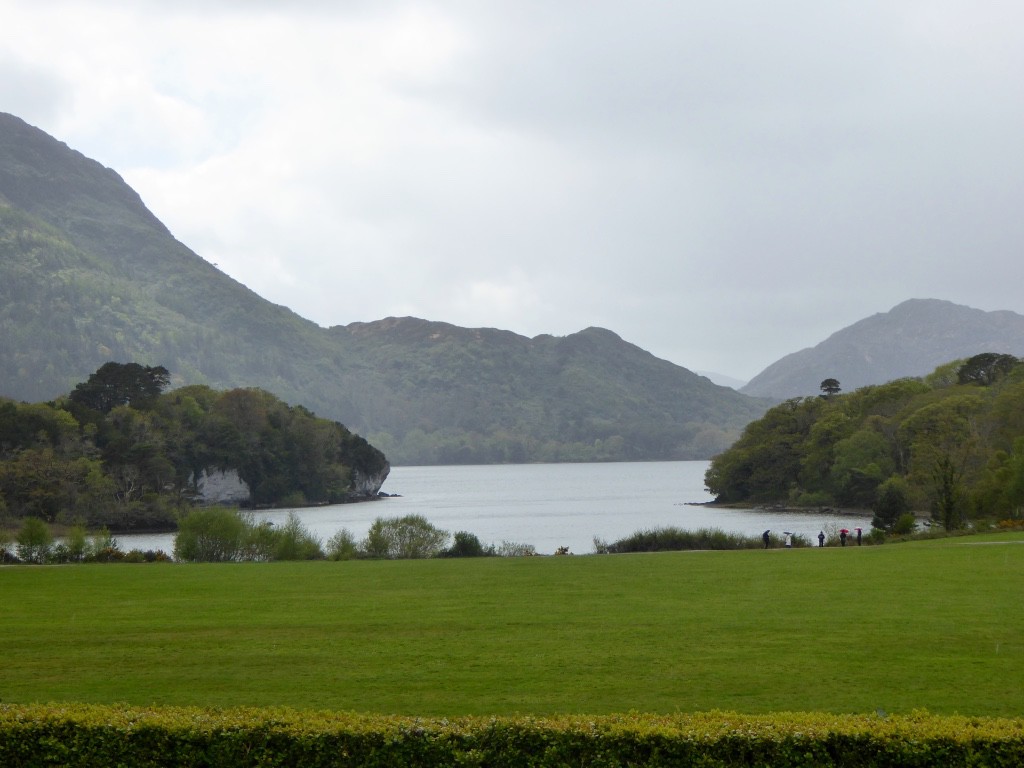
pixel 912 339
pixel 89 275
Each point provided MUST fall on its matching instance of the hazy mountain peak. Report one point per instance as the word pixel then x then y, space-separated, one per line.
pixel 911 339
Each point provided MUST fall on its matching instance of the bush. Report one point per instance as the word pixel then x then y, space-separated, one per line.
pixel 671 539
pixel 411 536
pixel 211 534
pixel 342 546
pixel 294 542
pixel 906 523
pixel 515 549
pixel 260 542
pixel 102 547
pixel 76 543
pixel 466 545
pixel 34 541
pixel 79 734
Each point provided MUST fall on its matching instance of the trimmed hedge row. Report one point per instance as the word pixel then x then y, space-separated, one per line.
pixel 97 736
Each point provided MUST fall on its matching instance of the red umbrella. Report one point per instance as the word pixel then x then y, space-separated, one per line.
pixel 844 530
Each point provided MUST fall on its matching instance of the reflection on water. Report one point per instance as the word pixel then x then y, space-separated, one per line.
pixel 547 505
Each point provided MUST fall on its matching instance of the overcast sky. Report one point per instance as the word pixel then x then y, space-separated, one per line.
pixel 721 183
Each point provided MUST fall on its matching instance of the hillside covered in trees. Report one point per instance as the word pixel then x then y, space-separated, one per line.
pixel 951 444
pixel 118 451
pixel 88 275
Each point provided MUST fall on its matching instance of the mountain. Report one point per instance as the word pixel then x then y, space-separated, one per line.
pixel 911 339
pixel 723 380
pixel 89 275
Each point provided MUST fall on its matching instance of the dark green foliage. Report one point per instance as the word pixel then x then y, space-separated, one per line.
pixel 830 387
pixel 465 544
pixel 986 368
pixel 117 384
pixel 677 539
pixel 137 467
pixel 891 503
pixel 953 449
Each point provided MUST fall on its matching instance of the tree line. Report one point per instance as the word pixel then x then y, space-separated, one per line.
pixel 119 451
pixel 950 444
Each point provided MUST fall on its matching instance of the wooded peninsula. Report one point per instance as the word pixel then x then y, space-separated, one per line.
pixel 120 452
pixel 950 445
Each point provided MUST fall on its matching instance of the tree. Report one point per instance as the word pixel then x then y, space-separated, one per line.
pixel 830 387
pixel 948 507
pixel 891 502
pixel 985 369
pixel 411 536
pixel 115 384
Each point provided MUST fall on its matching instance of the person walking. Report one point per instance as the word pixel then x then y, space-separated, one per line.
pixel 789 540
pixel 858 537
pixel 821 538
pixel 766 538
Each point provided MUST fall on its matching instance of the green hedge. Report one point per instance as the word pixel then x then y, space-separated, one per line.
pixel 97 736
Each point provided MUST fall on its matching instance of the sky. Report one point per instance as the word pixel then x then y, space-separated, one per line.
pixel 720 183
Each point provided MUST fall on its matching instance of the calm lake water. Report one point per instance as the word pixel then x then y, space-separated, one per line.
pixel 546 505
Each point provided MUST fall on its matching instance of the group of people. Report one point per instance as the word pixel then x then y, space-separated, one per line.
pixel 843 534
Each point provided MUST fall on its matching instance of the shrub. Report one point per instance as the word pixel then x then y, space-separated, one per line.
pixel 906 523
pixel 77 541
pixel 211 534
pixel 671 539
pixel 411 536
pixel 294 542
pixel 515 549
pixel 34 541
pixel 79 734
pixel 342 546
pixel 101 547
pixel 466 545
pixel 260 541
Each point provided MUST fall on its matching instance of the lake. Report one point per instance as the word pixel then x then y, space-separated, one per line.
pixel 546 505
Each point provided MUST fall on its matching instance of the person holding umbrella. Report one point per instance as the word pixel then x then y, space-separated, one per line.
pixel 842 536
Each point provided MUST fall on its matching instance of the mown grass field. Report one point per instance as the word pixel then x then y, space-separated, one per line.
pixel 935 625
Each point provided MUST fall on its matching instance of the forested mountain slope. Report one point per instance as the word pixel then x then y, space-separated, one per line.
pixel 88 275
pixel 911 339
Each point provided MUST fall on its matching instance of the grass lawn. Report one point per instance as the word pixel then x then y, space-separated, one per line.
pixel 935 625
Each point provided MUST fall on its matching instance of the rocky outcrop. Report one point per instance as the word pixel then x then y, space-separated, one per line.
pixel 226 487
pixel 221 487
pixel 368 485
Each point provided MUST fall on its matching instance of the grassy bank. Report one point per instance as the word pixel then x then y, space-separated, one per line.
pixel 936 625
